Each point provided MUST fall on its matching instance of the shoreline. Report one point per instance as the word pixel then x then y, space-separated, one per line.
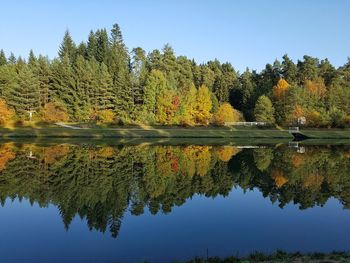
pixel 169 132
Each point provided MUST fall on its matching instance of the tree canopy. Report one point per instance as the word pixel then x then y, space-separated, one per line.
pixel 101 79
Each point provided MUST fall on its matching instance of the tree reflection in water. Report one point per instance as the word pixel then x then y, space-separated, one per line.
pixel 101 184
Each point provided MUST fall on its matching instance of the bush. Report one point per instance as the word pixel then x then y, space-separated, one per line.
pixel 106 117
pixel 6 114
pixel 54 112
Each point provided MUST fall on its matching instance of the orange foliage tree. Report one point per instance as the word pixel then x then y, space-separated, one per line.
pixel 281 87
pixel 53 112
pixel 6 113
pixel 279 178
pixel 6 154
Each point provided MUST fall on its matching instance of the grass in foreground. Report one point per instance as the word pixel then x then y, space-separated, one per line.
pixel 279 256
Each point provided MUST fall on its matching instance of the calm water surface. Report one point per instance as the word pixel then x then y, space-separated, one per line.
pixel 90 203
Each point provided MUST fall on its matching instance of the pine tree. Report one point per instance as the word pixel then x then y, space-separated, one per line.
pixel 3 60
pixel 32 59
pixel 118 63
pixel 102 51
pixel 289 70
pixel 138 75
pixel 106 99
pixel 24 96
pixel 67 47
pixel 12 59
pixel 91 50
pixel 84 74
pixel 63 85
pixel 43 72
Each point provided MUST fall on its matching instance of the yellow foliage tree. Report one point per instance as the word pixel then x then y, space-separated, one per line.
pixel 203 106
pixel 167 105
pixel 225 153
pixel 6 114
pixel 316 87
pixel 226 113
pixel 187 111
pixel 281 87
pixel 54 112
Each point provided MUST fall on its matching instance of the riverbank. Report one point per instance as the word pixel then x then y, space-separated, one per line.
pixel 77 131
pixel 142 132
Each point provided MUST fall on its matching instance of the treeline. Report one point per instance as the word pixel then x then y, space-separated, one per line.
pixel 102 81
pixel 101 184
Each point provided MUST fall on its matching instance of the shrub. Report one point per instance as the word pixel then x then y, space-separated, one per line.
pixel 6 114
pixel 106 117
pixel 54 112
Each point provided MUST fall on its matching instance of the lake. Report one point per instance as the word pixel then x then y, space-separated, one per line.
pixel 99 202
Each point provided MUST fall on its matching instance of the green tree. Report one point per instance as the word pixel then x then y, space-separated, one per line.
pixel 67 47
pixel 3 59
pixel 24 95
pixel 264 110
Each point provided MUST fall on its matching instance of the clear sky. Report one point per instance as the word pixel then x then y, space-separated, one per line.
pixel 246 33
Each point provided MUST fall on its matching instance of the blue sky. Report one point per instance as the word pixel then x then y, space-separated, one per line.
pixel 246 33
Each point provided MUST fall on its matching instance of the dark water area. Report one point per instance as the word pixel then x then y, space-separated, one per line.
pixel 160 203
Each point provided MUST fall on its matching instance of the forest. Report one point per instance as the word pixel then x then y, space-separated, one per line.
pixel 102 81
pixel 102 183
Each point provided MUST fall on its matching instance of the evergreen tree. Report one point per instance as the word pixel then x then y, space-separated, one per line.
pixel 139 74
pixel 32 59
pixel 118 63
pixel 24 95
pixel 106 99
pixel 67 47
pixel 12 59
pixel 289 70
pixel 3 60
pixel 91 50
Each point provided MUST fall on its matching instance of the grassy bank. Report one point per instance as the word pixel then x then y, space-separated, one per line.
pixel 279 256
pixel 326 133
pixel 139 132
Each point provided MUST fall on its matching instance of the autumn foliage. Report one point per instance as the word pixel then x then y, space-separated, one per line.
pixel 53 112
pixel 6 154
pixel 226 113
pixel 279 178
pixel 281 87
pixel 225 153
pixel 6 113
pixel 316 87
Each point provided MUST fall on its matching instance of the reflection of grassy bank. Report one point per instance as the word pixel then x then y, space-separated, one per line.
pixel 45 141
pixel 279 256
pixel 156 132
